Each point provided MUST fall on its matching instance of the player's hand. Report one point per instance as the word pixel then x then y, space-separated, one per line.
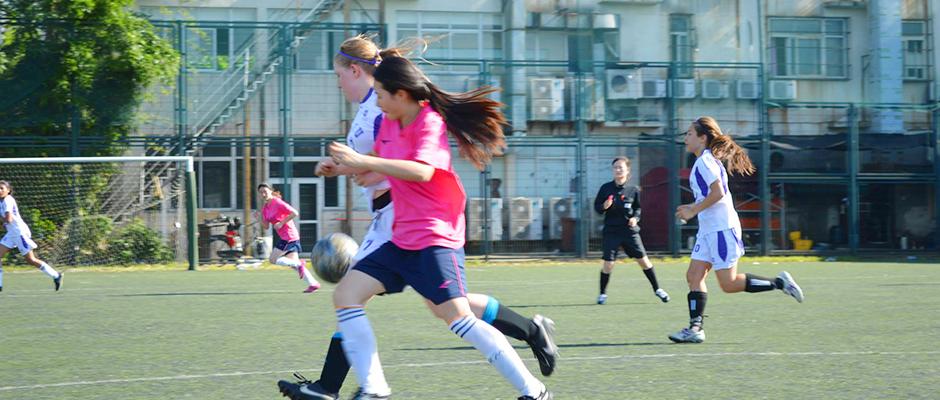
pixel 609 202
pixel 632 222
pixel 368 178
pixel 326 168
pixel 685 212
pixel 343 154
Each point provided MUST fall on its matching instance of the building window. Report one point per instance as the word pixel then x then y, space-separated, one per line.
pixel 809 47
pixel 680 43
pixel 216 49
pixel 473 36
pixel 914 39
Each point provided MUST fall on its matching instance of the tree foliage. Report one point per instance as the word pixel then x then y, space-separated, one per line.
pixel 77 60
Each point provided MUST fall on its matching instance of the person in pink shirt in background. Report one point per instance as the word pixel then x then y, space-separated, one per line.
pixel 277 213
pixel 426 250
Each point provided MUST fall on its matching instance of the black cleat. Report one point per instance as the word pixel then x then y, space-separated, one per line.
pixel 545 395
pixel 305 390
pixel 543 345
pixel 58 281
pixel 1 288
pixel 360 395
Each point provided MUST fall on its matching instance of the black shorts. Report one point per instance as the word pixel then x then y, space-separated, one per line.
pixel 628 239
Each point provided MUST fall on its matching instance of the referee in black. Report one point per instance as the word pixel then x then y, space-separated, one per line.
pixel 620 205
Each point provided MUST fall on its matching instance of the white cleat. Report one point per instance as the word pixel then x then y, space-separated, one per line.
pixel 790 287
pixel 602 299
pixel 687 335
pixel 662 295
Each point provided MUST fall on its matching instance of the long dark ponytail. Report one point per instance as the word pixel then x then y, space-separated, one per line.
pixel 474 120
pixel 723 147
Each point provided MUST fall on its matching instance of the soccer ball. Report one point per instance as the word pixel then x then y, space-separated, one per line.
pixel 332 256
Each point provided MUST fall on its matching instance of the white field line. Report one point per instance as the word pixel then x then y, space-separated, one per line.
pixel 449 363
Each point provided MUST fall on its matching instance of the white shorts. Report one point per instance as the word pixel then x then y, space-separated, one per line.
pixel 17 241
pixel 721 249
pixel 379 232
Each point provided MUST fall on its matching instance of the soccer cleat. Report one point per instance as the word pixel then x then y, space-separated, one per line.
pixel 58 281
pixel 545 395
pixel 1 288
pixel 602 299
pixel 687 335
pixel 790 287
pixel 312 288
pixel 360 395
pixel 662 295
pixel 543 345
pixel 305 390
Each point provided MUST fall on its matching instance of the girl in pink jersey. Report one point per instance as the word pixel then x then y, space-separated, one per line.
pixel 718 242
pixel 277 213
pixel 354 64
pixel 426 250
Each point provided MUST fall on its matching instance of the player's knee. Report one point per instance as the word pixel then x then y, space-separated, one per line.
pixel 727 286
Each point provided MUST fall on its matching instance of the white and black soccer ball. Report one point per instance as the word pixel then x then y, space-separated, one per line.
pixel 333 255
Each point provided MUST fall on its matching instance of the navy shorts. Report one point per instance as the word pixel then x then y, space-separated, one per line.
pixel 287 247
pixel 434 272
pixel 625 238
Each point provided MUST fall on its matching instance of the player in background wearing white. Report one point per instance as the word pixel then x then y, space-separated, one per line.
pixel 619 203
pixel 718 244
pixel 18 236
pixel 287 248
pixel 354 65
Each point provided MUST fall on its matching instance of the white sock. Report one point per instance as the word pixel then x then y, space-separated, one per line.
pixel 299 266
pixel 498 352
pixel 45 268
pixel 361 350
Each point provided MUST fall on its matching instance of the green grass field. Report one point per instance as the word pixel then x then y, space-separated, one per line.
pixel 866 330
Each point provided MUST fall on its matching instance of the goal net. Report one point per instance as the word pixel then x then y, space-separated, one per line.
pixel 104 211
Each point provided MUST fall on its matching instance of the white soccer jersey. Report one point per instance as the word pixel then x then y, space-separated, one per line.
pixel 721 215
pixel 17 227
pixel 362 133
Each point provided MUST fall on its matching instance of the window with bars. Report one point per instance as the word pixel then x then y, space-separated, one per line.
pixel 809 47
pixel 458 35
pixel 680 43
pixel 914 48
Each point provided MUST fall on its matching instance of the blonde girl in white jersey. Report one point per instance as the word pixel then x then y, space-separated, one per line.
pixel 18 236
pixel 718 244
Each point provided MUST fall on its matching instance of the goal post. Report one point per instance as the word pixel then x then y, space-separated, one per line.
pixel 108 210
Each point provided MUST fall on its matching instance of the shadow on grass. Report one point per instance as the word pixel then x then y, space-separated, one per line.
pixel 561 346
pixel 195 294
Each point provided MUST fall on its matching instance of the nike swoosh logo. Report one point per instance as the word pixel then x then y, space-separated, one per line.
pixel 445 284
pixel 384 141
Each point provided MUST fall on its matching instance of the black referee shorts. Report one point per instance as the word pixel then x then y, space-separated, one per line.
pixel 625 238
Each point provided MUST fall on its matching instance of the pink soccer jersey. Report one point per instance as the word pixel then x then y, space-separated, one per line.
pixel 426 213
pixel 274 212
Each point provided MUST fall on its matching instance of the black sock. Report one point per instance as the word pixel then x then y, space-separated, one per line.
pixel 335 367
pixel 651 275
pixel 605 278
pixel 754 283
pixel 511 324
pixel 697 308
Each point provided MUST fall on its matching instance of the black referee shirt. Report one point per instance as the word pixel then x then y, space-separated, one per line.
pixel 626 204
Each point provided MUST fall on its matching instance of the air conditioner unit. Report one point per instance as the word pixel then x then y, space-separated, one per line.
pixel 476 217
pixel 548 99
pixel 559 208
pixel 683 88
pixel 589 95
pixel 747 89
pixel 782 90
pixel 525 218
pixel 714 89
pixel 654 89
pixel 623 84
